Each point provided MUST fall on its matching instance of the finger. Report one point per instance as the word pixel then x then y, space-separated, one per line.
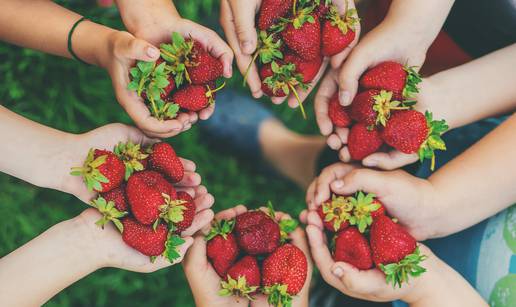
pixel 389 160
pixel 310 194
pixel 231 213
pixel 314 219
pixel 189 190
pixel 303 216
pixel 190 179
pixel 204 202
pixel 334 142
pixel 138 49
pixel 359 283
pixel 342 133
pixel 188 165
pixel 361 180
pixel 322 99
pixel 200 190
pixel 207 112
pixel 243 60
pixel 136 136
pixel 201 219
pixel 344 154
pixel 329 175
pixel 349 75
pixel 321 255
pixel 278 100
pixel 244 16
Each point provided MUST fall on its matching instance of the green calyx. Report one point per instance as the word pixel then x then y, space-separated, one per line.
pixel 163 110
pixel 149 78
pixel 109 213
pixel 278 296
pixel 172 247
pixel 383 105
pixel 178 55
pixel 399 273
pixel 237 287
pixel 285 78
pixel 268 50
pixel 363 205
pixel 411 84
pixel 302 11
pixel 90 172
pixel 433 141
pixel 222 228
pixel 172 212
pixel 348 22
pixel 132 155
pixel 286 225
pixel 338 210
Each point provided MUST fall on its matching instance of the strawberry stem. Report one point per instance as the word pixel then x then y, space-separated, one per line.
pixel 255 56
pixel 163 51
pixel 294 8
pixel 298 100
pixel 153 105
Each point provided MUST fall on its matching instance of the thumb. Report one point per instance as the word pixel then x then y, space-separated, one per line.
pixel 138 49
pixel 244 25
pixel 349 75
pixel 366 180
pixel 389 160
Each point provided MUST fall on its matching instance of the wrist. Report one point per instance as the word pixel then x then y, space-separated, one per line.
pixel 428 284
pixel 90 42
pixel 433 97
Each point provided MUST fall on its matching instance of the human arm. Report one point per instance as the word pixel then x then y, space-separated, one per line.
pixel 64 254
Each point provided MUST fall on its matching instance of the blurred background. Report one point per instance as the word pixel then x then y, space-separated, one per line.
pixel 76 98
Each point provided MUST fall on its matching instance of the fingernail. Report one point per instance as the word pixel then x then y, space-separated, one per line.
pixel 370 163
pixel 344 98
pixel 338 183
pixel 152 52
pixel 338 271
pixel 247 47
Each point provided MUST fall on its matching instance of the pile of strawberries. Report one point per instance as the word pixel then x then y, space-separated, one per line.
pixel 294 36
pixel 382 113
pixel 182 79
pixel 364 236
pixel 251 255
pixel 137 193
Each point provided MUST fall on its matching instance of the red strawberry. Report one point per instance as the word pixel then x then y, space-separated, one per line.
pixel 365 209
pixel 188 212
pixel 322 10
pixel 164 91
pixel 222 248
pixel 363 141
pixel 257 233
pixel 395 251
pixel 163 159
pixel 102 171
pixel 338 114
pixel 266 72
pixel 303 36
pixel 271 11
pixel 335 213
pixel 410 131
pixel 308 69
pixel 203 67
pixel 284 274
pixel 394 77
pixel 133 157
pixel 143 238
pixel 243 278
pixel 117 196
pixel 148 192
pixel 338 32
pixel 373 107
pixel 352 247
pixel 195 97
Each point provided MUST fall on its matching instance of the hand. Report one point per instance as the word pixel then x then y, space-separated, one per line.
pixel 409 199
pixel 298 238
pixel 111 251
pixel 204 281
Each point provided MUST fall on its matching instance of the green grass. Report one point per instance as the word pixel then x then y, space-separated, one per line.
pixel 72 97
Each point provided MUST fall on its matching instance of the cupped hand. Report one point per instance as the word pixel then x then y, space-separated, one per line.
pixel 202 278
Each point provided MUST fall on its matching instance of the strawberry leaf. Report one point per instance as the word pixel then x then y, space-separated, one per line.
pixel 172 247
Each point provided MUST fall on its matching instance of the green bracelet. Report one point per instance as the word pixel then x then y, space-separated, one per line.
pixel 70 49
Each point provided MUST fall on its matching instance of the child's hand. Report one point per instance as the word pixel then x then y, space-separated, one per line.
pixel 111 251
pixel 204 281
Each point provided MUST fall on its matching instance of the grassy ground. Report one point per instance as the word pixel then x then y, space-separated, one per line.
pixel 69 96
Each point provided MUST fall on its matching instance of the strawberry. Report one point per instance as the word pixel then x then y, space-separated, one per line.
pixel 102 171
pixel 380 211
pixel 188 211
pixel 271 11
pixel 151 241
pixel 338 114
pixel 243 278
pixel 363 141
pixel 284 274
pixel 391 76
pixel 164 92
pixel 195 97
pixel 338 32
pixel 373 107
pixel 222 248
pixel 163 158
pixel 203 67
pixel 149 194
pixel 352 247
pixel 109 212
pixel 257 233
pixel 268 50
pixel 303 35
pixel 395 251
pixel 117 196
pixel 322 10
pixel 410 131
pixel 365 206
pixel 132 156
pixel 279 80
pixel 308 69
pixel 335 213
